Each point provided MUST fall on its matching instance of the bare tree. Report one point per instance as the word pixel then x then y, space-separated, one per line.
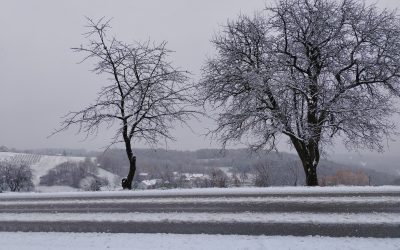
pixel 262 174
pixel 218 178
pixel 145 94
pixel 236 182
pixel 294 172
pixel 311 70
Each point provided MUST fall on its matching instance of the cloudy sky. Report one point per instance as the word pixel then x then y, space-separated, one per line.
pixel 40 79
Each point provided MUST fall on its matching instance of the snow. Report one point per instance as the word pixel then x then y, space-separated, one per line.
pixel 290 218
pixel 150 182
pixel 54 189
pixel 47 163
pixel 102 173
pixel 216 191
pixel 194 175
pixel 99 241
pixel 34 241
pixel 6 156
pixel 230 200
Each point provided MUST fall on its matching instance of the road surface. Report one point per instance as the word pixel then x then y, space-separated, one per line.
pixel 69 213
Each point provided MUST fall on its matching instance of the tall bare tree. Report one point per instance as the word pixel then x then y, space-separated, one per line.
pixel 311 70
pixel 145 95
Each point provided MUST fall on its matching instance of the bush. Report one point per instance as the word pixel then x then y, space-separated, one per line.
pixel 93 183
pixel 218 178
pixel 15 177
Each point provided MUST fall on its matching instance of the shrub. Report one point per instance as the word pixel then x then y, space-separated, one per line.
pixel 218 178
pixel 93 183
pixel 15 177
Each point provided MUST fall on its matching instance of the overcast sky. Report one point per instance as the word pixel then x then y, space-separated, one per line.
pixel 40 80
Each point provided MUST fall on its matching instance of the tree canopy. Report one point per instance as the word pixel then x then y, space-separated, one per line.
pixel 311 70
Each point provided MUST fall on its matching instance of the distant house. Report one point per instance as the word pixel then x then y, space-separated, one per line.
pixel 190 177
pixel 346 177
pixel 144 175
pixel 149 184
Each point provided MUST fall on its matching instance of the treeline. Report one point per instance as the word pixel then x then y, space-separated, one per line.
pixel 282 168
pixel 15 177
pixel 171 168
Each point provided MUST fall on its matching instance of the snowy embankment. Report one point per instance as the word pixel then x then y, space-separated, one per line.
pixel 95 241
pixel 325 191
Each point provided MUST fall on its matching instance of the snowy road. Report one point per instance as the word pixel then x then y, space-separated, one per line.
pixel 360 212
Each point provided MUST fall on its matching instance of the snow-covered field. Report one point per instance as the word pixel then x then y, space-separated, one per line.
pixel 95 241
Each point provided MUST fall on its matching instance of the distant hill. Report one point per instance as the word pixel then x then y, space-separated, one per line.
pixel 199 161
pixel 385 163
pixel 112 163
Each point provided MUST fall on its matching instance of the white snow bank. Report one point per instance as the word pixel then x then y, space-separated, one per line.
pixel 99 241
pixel 217 191
pixel 228 200
pixel 54 189
pixel 314 218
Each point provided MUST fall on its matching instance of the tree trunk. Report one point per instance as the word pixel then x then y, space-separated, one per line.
pixel 127 182
pixel 311 174
pixel 309 156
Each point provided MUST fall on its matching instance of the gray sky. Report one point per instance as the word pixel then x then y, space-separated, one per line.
pixel 40 79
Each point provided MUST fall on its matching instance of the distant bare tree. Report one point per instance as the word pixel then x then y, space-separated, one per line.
pixel 243 176
pixel 262 174
pixel 311 70
pixel 294 172
pixel 235 180
pixel 145 94
pixel 218 178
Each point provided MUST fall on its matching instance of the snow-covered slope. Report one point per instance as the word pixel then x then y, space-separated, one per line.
pixel 47 162
pixel 41 164
pixel 7 156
